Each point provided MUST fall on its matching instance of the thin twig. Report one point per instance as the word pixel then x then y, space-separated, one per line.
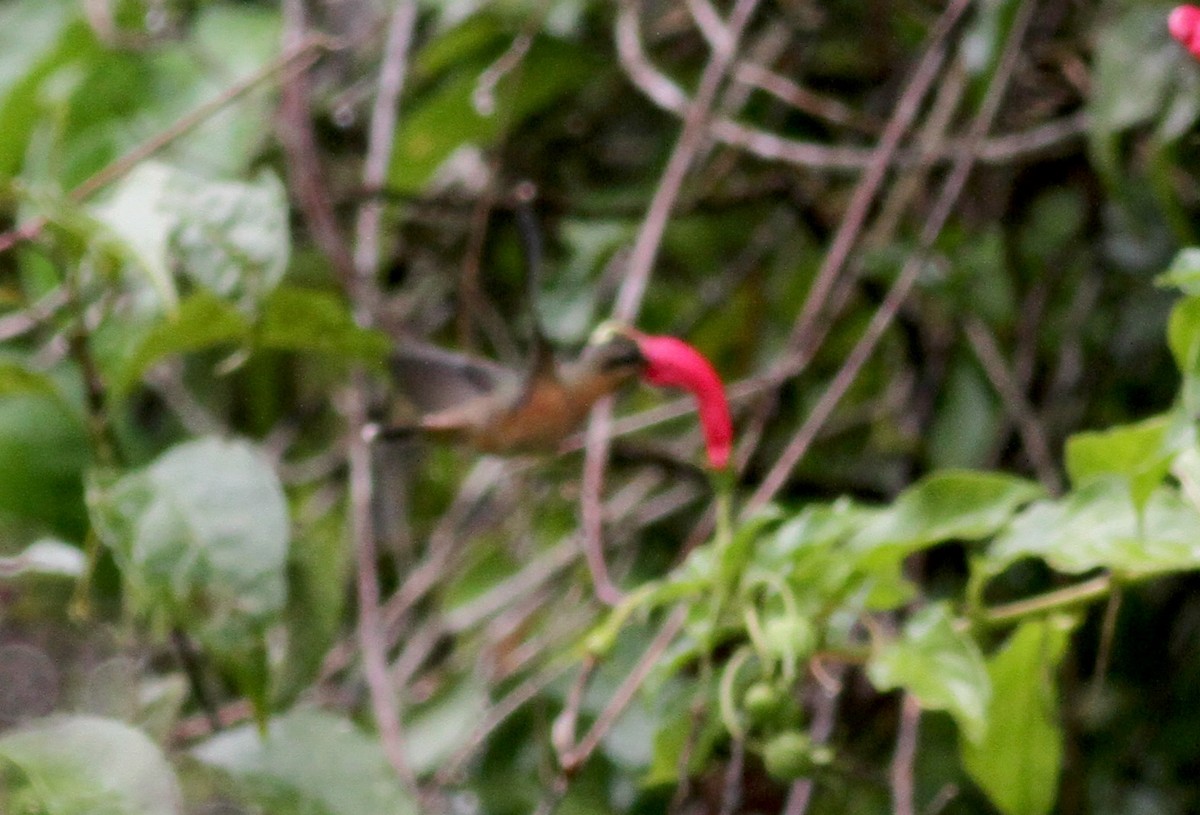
pixel 731 794
pixel 695 124
pixel 1033 434
pixel 483 97
pixel 304 53
pixel 708 21
pixel 496 716
pixel 562 732
pixel 572 759
pixel 802 342
pixel 637 274
pixel 904 760
pixel 381 134
pixel 824 714
pixel 911 184
pixel 1108 630
pixel 669 96
pixel 370 629
pixel 18 323
pixel 445 541
pixel 306 177
pixel 1056 600
pixel 364 297
pixel 803 99
pixel 882 319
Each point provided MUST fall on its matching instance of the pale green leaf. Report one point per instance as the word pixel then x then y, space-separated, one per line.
pixel 1018 758
pixel 203 529
pixel 202 321
pixel 940 666
pixel 1139 452
pixel 445 119
pixel 142 226
pixel 949 505
pixel 1183 337
pixel 44 450
pixel 229 237
pixel 1098 526
pixel 86 765
pixel 309 762
pixel 309 320
pixel 46 556
pixel 1184 272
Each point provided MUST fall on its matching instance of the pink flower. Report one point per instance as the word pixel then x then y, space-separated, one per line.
pixel 672 363
pixel 1184 25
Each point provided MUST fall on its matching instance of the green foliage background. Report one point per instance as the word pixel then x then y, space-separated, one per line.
pixel 975 592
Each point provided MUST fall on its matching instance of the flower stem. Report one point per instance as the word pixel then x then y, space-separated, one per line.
pixel 1056 600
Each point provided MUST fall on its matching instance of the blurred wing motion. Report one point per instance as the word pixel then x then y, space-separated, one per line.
pixel 434 379
pixel 497 410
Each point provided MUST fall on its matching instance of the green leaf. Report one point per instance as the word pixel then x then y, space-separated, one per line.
pixel 441 727
pixel 308 320
pixel 317 570
pixel 229 237
pixel 46 556
pixel 1183 337
pixel 1139 452
pixel 1184 272
pixel 745 539
pixel 807 544
pixel 309 762
pixel 34 41
pixel 16 378
pixel 235 41
pixel 1019 756
pixel 967 417
pixel 477 35
pixel 232 238
pixel 201 533
pixel 141 225
pixel 44 450
pixel 86 765
pixel 950 505
pixel 202 321
pixel 940 666
pixel 1098 526
pixel 445 120
pixel 1136 79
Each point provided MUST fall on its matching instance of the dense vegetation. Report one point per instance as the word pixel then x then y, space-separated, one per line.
pixel 938 251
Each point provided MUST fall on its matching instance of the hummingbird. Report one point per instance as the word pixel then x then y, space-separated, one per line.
pixel 496 409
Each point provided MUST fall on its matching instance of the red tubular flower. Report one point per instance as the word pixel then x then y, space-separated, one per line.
pixel 672 363
pixel 1184 25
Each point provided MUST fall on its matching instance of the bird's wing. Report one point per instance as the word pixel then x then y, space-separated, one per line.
pixel 435 379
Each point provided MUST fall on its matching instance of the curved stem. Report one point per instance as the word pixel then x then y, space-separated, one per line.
pixel 1056 600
